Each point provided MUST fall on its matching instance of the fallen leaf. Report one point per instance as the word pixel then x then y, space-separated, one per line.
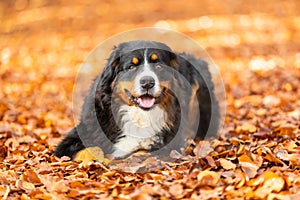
pixel 271 101
pixel 274 196
pixel 32 177
pixel 202 149
pixel 246 127
pixel 24 185
pixel 227 164
pixel 176 190
pixel 210 178
pixel 285 129
pixel 272 183
pixel 248 166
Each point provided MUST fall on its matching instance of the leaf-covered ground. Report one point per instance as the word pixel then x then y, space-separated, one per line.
pixel 257 49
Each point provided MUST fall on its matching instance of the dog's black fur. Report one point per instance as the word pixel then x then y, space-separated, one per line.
pixel 98 126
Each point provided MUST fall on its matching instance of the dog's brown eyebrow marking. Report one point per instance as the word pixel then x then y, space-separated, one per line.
pixel 154 57
pixel 135 60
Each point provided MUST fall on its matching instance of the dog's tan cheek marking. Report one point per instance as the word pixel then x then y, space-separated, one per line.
pixel 167 105
pixel 164 100
pixel 120 97
pixel 120 92
pixel 165 84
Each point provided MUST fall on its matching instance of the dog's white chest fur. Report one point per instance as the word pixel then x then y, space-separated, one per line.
pixel 139 129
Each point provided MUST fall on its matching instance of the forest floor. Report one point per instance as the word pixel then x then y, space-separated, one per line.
pixel 257 50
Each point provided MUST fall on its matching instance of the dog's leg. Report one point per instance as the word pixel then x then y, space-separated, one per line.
pixel 70 145
pixel 73 147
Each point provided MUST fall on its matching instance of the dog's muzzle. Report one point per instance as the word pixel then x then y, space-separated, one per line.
pixel 145 101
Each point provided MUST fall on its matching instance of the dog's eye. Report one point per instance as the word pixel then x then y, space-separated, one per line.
pixel 131 68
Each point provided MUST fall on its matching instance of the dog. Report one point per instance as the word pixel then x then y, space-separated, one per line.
pixel 148 98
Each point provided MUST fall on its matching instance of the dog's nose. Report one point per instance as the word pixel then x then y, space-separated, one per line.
pixel 147 82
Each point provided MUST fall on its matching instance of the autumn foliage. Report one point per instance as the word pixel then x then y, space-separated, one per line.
pixel 256 156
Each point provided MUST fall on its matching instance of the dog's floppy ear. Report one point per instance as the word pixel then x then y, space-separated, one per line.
pixel 174 60
pixel 114 58
pixel 109 72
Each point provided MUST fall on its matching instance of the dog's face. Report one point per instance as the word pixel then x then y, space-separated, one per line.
pixel 143 74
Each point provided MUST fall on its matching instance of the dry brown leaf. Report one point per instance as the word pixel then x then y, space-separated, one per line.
pixel 73 193
pixel 176 190
pixel 273 196
pixel 77 184
pixel 137 163
pixel 24 185
pixel 246 127
pixel 290 145
pixel 3 152
pixel 210 178
pixel 227 164
pixel 43 196
pixel 272 158
pixel 256 181
pixel 210 161
pixel 240 179
pixel 286 129
pixel 32 177
pixel 248 166
pixel 4 191
pixel 284 155
pixel 272 183
pixel 202 149
pixel 89 155
pixel 271 101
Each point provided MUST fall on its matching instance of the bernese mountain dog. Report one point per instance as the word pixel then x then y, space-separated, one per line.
pixel 148 98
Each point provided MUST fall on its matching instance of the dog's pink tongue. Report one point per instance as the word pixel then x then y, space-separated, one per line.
pixel 146 102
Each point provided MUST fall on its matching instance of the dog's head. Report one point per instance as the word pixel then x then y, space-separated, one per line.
pixel 139 73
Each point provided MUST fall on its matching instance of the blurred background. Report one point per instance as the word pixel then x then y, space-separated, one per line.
pixel 254 43
pixel 43 43
pixel 237 34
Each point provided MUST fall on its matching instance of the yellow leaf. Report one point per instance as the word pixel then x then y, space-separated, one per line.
pixel 25 185
pixel 247 127
pixel 91 154
pixel 227 164
pixel 248 166
pixel 208 178
pixel 272 183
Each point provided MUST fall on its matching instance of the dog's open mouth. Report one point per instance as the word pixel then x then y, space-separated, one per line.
pixel 145 101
